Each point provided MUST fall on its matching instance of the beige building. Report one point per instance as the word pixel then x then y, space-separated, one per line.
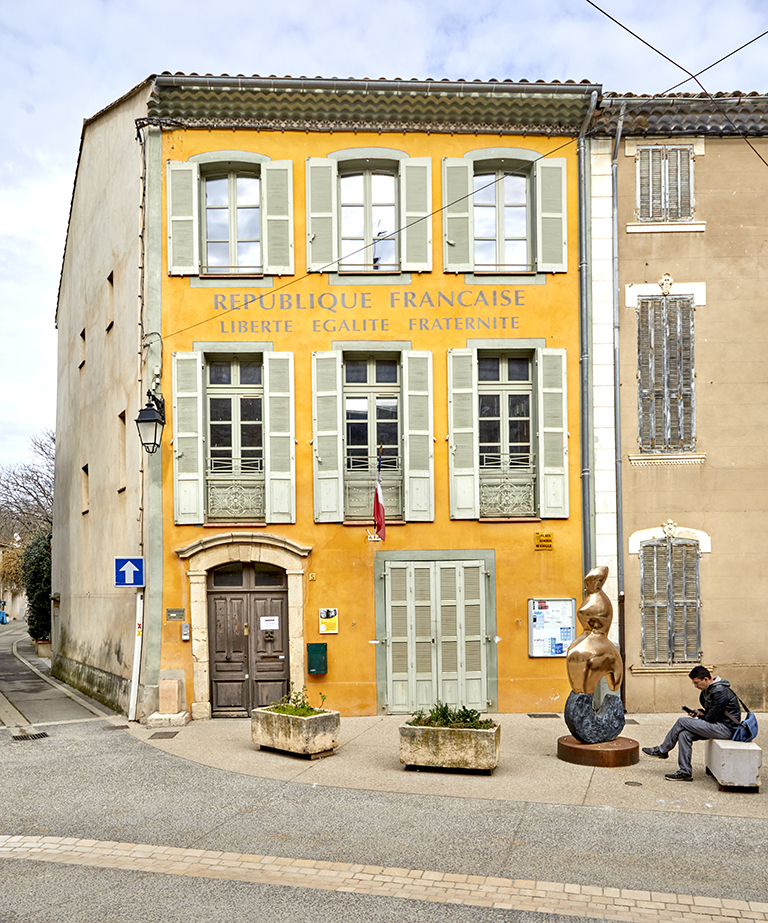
pixel 681 262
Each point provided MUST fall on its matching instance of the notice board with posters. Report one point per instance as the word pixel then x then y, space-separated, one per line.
pixel 551 626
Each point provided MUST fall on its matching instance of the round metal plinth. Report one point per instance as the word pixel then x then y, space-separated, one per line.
pixel 612 753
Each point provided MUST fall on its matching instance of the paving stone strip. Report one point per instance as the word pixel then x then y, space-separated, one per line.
pixel 414 884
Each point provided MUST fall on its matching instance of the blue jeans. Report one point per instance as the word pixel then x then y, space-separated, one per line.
pixel 683 733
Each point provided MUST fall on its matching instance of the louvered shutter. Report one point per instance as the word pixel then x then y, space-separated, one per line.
pixel 679 182
pixel 415 210
pixel 328 436
pixel 277 217
pixel 551 215
pixel 458 244
pixel 680 369
pixel 650 184
pixel 279 443
pixel 553 434
pixel 461 622
pixel 649 426
pixel 188 457
pixel 463 449
pixel 684 557
pixel 322 209
pixel 418 454
pixel 654 624
pixel 400 695
pixel 183 231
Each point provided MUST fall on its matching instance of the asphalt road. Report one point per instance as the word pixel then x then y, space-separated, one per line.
pixel 90 779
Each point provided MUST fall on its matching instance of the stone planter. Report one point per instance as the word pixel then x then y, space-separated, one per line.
pixel 43 649
pixel 450 748
pixel 314 736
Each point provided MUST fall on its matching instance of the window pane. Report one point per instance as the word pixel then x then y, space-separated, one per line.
pixel 220 408
pixel 250 373
pixel 217 254
pixel 518 369
pixel 353 221
pixel 485 221
pixel 515 223
pixel 519 434
pixel 488 368
pixel 355 371
pixel 351 188
pixel 515 190
pixel 386 371
pixel 217 191
pixel 250 409
pixel 382 188
pixel 384 253
pixel 228 575
pixel 516 253
pixel 248 191
pixel 249 255
pixel 357 408
pixel 217 224
pixel 485 187
pixel 221 435
pixel 386 408
pixel 386 434
pixel 219 373
pixel 485 252
pixel 383 220
pixel 250 435
pixel 489 405
pixel 248 223
pixel 519 405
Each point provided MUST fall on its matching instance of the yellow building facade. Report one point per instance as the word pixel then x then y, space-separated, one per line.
pixel 343 282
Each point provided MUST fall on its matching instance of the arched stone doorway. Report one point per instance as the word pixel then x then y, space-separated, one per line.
pixel 247 547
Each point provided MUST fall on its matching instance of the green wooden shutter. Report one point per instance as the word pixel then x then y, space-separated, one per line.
pixel 322 211
pixel 458 245
pixel 188 456
pixel 415 211
pixel 328 431
pixel 463 449
pixel 183 229
pixel 551 215
pixel 418 454
pixel 553 434
pixel 277 217
pixel 279 442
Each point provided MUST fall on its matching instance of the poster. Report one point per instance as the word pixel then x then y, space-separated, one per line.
pixel 551 626
pixel 329 621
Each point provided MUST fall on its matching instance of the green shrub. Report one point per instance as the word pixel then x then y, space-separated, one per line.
pixel 36 570
pixel 297 703
pixel 442 715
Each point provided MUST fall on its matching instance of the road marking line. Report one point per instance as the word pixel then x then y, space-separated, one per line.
pixel 410 884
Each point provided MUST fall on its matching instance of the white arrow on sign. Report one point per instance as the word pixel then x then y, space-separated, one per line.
pixel 130 570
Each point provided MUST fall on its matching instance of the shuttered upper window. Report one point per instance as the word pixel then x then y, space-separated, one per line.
pixel 666 399
pixel 230 216
pixel 664 183
pixel 504 211
pixel 670 601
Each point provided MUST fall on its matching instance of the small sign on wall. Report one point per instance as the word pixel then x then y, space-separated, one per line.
pixel 329 621
pixel 542 541
pixel 174 615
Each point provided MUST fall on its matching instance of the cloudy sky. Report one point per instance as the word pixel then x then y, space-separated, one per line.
pixel 63 60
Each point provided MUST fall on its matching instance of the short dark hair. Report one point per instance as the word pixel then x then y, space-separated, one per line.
pixel 700 672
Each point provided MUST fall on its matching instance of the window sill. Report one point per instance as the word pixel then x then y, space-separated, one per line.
pixel 243 282
pixel 651 227
pixel 510 519
pixel 650 669
pixel 659 460
pixel 234 525
pixel 369 278
pixel 370 522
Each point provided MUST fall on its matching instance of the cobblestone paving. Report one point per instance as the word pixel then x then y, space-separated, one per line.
pixel 414 884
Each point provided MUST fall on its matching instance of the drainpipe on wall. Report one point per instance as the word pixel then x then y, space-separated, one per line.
pixel 617 399
pixel 584 397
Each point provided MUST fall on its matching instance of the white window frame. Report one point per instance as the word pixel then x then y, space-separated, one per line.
pixel 186 207
pixel 417 452
pixel 550 400
pixel 547 208
pixel 189 433
pixel 413 231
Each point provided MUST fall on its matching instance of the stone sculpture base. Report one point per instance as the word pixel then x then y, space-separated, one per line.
pixel 590 726
pixel 612 753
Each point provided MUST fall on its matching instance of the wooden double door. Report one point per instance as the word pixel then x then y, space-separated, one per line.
pixel 247 637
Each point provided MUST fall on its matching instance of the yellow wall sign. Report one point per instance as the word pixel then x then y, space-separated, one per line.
pixel 329 621
pixel 542 541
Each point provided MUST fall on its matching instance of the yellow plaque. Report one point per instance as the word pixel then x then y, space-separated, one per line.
pixel 542 541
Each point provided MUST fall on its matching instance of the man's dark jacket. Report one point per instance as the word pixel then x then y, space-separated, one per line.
pixel 720 703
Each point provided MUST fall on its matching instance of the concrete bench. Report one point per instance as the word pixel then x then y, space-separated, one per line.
pixel 733 763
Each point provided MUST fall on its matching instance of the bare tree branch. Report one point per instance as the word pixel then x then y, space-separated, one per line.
pixel 26 492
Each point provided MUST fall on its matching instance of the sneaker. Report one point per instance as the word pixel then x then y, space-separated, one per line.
pixel 655 751
pixel 679 776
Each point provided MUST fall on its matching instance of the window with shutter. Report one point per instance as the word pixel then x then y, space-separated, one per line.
pixel 664 183
pixel 670 600
pixel 230 214
pixel 666 396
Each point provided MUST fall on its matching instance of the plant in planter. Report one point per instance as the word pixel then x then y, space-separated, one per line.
pixel 292 724
pixel 450 738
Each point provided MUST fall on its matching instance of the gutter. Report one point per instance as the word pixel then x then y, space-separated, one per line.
pixel 587 549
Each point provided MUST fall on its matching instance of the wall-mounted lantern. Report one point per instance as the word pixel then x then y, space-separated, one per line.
pixel 150 422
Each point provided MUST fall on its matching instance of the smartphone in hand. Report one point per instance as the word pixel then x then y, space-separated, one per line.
pixel 690 711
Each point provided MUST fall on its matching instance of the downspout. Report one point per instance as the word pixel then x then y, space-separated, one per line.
pixel 617 400
pixel 584 396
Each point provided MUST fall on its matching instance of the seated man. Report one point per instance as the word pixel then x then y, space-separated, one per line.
pixel 718 717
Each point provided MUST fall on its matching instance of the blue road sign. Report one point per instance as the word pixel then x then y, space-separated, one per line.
pixel 129 571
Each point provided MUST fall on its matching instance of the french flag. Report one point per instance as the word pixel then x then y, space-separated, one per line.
pixel 378 505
